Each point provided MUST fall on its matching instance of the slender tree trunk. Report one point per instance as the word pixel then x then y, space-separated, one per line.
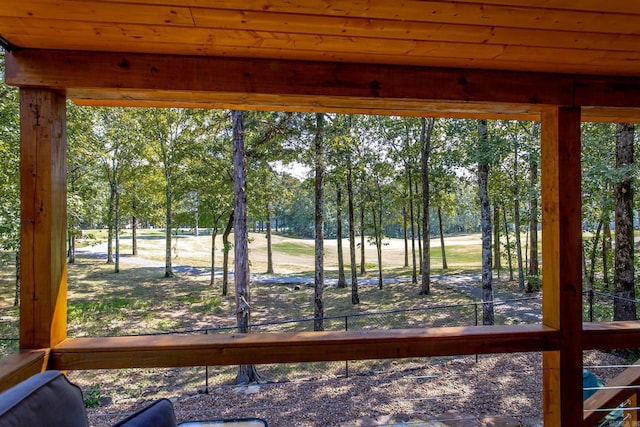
pixel 363 268
pixel 214 234
pixel 506 233
pixel 376 212
pixel 497 265
pixel 485 220
pixel 516 220
pixel 269 247
pixel 168 270
pixel 226 248
pixel 592 259
pixel 342 281
pixel 355 298
pixel 134 235
pixel 420 234
pixel 606 249
pixel 442 248
pixel 72 248
pixel 534 269
pixel 110 215
pixel 246 373
pixel 16 299
pixel 318 311
pixel 405 236
pixel 624 306
pixel 116 227
pixel 414 268
pixel 425 151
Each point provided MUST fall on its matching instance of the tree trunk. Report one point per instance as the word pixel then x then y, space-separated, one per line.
pixel 377 231
pixel 497 264
pixel 355 298
pixel 420 234
pixel 425 151
pixel 116 227
pixel 592 259
pixel 318 311
pixel 226 247
pixel 168 270
pixel 442 248
pixel 506 233
pixel 134 235
pixel 485 220
pixel 110 215
pixel 624 307
pixel 342 281
pixel 363 268
pixel 534 269
pixel 414 268
pixel 269 247
pixel 405 236
pixel 16 299
pixel 72 248
pixel 516 220
pixel 246 373
pixel 214 234
pixel 606 249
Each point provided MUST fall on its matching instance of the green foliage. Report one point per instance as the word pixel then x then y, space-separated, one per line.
pixel 92 396
pixel 10 161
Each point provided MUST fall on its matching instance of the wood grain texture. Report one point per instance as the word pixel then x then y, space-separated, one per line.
pixel 43 195
pixel 143 80
pixel 202 350
pixel 562 261
pixel 590 37
pixel 21 365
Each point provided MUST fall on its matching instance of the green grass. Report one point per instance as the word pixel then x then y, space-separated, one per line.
pixel 291 248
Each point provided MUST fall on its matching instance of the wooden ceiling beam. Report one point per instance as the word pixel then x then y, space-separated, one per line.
pixel 147 79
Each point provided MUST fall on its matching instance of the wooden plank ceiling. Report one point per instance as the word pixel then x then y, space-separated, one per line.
pixel 595 37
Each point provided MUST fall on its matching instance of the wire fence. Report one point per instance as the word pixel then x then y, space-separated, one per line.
pixel 597 306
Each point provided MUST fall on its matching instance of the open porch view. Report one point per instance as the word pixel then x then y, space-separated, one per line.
pixel 547 61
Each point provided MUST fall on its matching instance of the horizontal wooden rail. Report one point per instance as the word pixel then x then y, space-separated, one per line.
pixel 611 397
pixel 288 347
pixel 21 365
pixel 610 335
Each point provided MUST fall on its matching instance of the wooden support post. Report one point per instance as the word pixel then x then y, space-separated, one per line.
pixel 561 263
pixel 43 167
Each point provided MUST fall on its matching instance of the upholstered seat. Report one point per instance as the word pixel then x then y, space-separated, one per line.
pixel 48 399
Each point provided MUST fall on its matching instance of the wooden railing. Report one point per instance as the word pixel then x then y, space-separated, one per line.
pixel 621 391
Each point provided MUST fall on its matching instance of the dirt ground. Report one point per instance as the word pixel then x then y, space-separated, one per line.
pixel 460 389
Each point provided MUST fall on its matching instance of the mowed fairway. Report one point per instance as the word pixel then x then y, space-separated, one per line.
pixel 294 256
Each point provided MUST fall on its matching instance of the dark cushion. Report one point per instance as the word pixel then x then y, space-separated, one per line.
pixel 158 414
pixel 46 399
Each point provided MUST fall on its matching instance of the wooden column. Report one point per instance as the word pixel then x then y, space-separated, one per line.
pixel 561 264
pixel 43 167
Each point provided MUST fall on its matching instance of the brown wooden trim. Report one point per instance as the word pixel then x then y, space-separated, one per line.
pixel 611 335
pixel 171 79
pixel 43 195
pixel 117 71
pixel 561 258
pixel 234 349
pixel 19 366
